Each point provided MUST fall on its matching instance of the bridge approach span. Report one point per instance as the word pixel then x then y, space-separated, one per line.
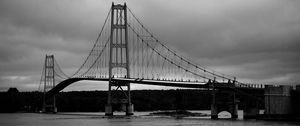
pixel 183 84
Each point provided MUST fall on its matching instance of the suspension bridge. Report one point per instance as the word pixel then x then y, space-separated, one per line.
pixel 127 52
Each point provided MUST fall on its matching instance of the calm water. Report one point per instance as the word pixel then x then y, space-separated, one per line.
pixel 98 119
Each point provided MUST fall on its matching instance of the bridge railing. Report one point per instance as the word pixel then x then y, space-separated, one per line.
pixel 248 85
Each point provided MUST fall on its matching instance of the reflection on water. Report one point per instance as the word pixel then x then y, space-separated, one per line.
pixel 91 119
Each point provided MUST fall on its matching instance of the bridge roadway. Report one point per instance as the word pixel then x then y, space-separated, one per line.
pixel 183 84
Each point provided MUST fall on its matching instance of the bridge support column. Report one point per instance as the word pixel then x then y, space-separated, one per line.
pixel 214 111
pixel 214 107
pixel 108 110
pixel 55 109
pixel 234 111
pixel 129 109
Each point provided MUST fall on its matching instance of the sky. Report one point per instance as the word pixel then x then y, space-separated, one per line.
pixel 257 41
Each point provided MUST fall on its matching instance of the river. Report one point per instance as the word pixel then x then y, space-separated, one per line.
pixel 139 119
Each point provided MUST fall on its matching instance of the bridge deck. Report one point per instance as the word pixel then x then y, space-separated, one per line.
pixel 183 84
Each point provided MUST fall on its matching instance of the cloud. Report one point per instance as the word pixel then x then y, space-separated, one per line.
pixel 257 40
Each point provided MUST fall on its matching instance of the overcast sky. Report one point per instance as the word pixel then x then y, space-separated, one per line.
pixel 258 41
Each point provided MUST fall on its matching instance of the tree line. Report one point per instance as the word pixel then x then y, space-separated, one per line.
pixel 94 101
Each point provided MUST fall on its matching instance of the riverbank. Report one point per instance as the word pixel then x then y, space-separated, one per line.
pixel 179 113
pixel 139 119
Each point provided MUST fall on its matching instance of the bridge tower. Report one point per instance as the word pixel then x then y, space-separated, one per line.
pixel 224 99
pixel 118 61
pixel 49 83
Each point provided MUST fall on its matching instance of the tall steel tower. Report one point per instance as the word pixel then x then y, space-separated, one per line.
pixel 118 98
pixel 49 83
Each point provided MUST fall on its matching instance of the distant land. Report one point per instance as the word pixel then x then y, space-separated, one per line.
pixel 94 101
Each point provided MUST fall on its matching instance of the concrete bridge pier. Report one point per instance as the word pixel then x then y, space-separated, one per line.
pixel 108 110
pixel 251 112
pixel 54 109
pixel 49 108
pixel 234 111
pixel 251 109
pixel 278 102
pixel 214 111
pixel 129 109
pixel 119 98
pixel 223 100
pixel 234 107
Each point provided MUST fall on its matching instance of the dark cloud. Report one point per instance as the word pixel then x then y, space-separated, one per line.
pixel 257 40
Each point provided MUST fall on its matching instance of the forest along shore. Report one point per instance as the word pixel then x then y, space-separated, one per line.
pixel 94 101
